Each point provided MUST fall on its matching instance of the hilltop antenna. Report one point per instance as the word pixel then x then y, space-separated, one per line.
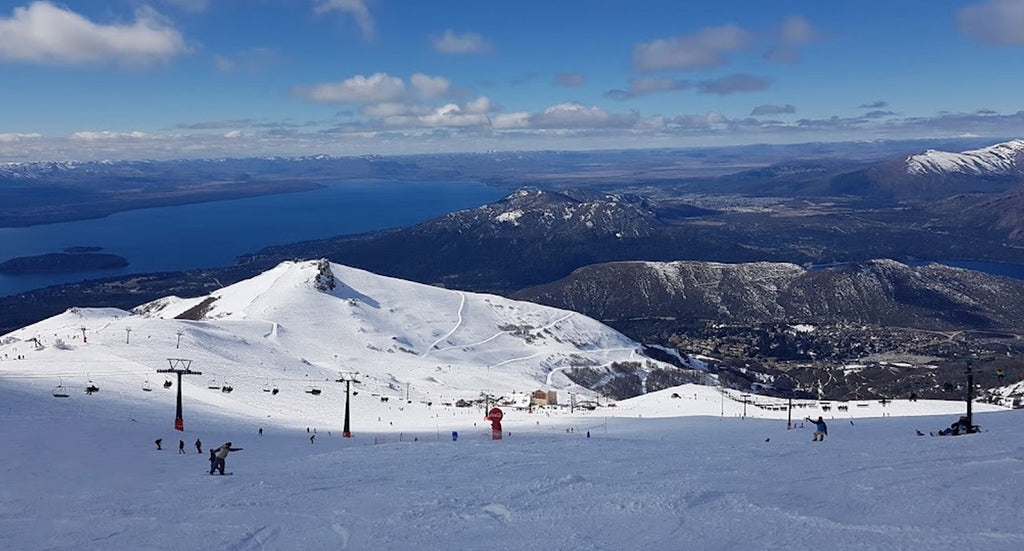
pixel 181 367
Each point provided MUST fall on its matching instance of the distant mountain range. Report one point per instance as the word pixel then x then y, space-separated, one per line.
pixel 878 292
pixel 924 176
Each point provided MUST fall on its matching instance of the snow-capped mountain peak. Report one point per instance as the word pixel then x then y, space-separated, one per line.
pixel 286 326
pixel 996 160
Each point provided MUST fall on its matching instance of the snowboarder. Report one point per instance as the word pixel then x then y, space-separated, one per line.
pixel 213 459
pixel 221 455
pixel 820 429
pixel 181 446
pixel 199 446
pixel 261 431
pixel 159 443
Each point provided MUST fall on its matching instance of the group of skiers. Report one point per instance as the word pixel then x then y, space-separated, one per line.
pixel 217 455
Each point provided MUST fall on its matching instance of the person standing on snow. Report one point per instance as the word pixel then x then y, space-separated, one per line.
pixel 221 454
pixel 181 446
pixel 820 429
pixel 199 446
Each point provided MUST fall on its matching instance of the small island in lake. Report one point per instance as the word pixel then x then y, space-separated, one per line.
pixel 74 259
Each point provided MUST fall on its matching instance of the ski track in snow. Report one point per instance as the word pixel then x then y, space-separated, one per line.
pixel 498 334
pixel 458 323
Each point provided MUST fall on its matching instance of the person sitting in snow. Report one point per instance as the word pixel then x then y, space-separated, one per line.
pixel 221 455
pixel 820 429
pixel 961 426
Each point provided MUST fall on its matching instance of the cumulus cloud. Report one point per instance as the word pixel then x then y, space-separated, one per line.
pixel 648 85
pixel 703 50
pixel 570 80
pixel 878 114
pixel 452 115
pixel 999 22
pixel 732 84
pixel 506 121
pixel 466 43
pixel 430 87
pixel 49 34
pixel 481 104
pixel 376 88
pixel 575 115
pixel 357 9
pixel 762 110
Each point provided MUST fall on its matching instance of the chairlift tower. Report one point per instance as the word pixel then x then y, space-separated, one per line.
pixel 181 367
pixel 348 378
pixel 970 393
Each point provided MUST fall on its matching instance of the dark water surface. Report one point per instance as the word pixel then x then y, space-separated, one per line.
pixel 213 234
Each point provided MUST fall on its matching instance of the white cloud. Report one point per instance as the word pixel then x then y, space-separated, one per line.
pixel 995 22
pixel 234 134
pixel 17 137
pixel 518 119
pixel 106 135
pixel 703 50
pixel 49 34
pixel 575 115
pixel 376 88
pixel 466 43
pixel 358 9
pixel 452 115
pixel 430 87
pixel 481 104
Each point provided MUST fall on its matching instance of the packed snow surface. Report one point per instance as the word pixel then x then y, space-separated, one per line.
pixel 689 467
pixel 655 471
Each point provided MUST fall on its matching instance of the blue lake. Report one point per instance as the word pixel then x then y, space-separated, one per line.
pixel 213 234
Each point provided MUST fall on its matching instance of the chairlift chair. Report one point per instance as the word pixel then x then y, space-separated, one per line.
pixel 274 392
pixel 60 391
pixel 167 383
pixel 213 385
pixel 226 388
pixel 314 391
pixel 91 388
pixel 146 387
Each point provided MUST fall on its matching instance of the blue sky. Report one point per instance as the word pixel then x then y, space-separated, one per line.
pixel 198 78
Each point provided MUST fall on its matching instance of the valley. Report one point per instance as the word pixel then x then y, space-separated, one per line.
pixel 912 325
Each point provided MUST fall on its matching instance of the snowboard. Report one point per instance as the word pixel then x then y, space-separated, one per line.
pixel 218 474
